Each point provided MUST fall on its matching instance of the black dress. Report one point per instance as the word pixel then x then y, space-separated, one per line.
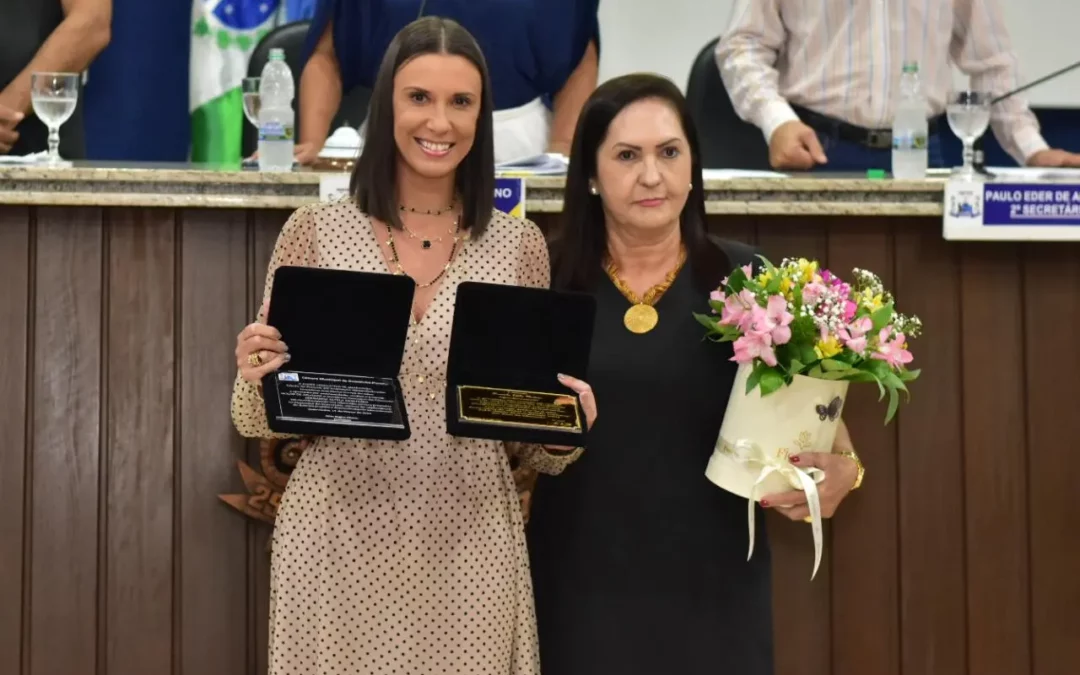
pixel 639 562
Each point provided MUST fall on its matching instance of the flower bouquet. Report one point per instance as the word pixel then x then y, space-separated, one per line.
pixel 801 335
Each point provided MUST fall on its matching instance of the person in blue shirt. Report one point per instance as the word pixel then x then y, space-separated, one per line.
pixel 542 54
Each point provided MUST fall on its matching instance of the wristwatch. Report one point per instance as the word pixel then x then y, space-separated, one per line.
pixel 858 463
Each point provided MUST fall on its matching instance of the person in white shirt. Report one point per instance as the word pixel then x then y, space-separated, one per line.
pixel 820 79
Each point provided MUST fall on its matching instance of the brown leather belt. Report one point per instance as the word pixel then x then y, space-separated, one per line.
pixel 875 139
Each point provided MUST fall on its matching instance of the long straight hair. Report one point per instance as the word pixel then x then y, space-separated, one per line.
pixel 579 241
pixel 374 180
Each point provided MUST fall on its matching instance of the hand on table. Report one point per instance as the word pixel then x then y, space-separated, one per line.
pixel 9 119
pixel 795 146
pixel 840 475
pixel 1054 158
pixel 259 350
pixel 305 154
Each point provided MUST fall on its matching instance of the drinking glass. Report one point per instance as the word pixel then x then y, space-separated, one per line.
pixel 251 100
pixel 54 96
pixel 969 116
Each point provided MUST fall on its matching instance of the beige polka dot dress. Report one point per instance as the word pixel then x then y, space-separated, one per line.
pixel 403 557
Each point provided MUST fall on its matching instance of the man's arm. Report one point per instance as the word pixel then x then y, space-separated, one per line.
pixel 70 48
pixel 320 97
pixel 982 49
pixel 746 56
pixel 568 102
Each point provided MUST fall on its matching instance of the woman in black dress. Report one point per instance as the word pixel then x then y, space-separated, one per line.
pixel 639 563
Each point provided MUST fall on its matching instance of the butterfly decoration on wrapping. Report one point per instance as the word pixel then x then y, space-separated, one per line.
pixel 831 411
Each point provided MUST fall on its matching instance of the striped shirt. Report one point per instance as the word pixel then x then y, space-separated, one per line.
pixel 843 58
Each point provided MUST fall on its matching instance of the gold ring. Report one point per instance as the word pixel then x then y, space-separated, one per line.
pixel 808 519
pixel 254 359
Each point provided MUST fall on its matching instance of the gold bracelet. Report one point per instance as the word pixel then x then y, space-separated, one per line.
pixel 858 463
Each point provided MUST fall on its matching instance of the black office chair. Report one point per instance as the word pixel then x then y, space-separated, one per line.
pixel 291 37
pixel 726 141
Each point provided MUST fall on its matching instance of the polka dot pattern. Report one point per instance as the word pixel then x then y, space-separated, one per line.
pixel 404 557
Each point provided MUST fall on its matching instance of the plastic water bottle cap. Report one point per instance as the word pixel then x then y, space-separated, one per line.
pixel 277 54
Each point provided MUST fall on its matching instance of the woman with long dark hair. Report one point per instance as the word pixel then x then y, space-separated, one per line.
pixel 639 562
pixel 408 556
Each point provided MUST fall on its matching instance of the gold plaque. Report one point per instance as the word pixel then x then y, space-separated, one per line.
pixel 640 318
pixel 515 408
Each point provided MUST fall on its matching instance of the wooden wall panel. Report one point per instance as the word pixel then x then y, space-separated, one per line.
pixel 866 588
pixel 212 555
pixel 17 285
pixel 265 226
pixel 958 557
pixel 995 459
pixel 140 436
pixel 1052 364
pixel 933 617
pixel 65 462
pixel 803 645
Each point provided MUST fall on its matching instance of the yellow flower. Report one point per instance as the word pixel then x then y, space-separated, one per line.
pixel 765 277
pixel 828 348
pixel 785 288
pixel 806 270
pixel 872 302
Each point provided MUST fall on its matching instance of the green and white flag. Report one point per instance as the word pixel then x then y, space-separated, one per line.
pixel 223 35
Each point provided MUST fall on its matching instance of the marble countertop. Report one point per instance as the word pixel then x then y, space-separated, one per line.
pixel 204 186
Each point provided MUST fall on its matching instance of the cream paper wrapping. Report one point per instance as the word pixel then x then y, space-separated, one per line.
pixel 760 433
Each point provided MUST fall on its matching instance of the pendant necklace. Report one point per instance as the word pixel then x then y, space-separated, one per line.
pixel 426 242
pixel 642 316
pixel 395 261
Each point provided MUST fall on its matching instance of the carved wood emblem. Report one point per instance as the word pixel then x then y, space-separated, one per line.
pixel 277 458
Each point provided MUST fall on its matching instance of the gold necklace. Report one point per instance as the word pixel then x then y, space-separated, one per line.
pixel 395 262
pixel 642 316
pixel 425 242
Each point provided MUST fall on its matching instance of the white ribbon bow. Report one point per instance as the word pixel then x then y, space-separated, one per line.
pixel 751 454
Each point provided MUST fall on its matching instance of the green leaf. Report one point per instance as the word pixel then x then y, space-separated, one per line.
pixel 774 285
pixel 908 375
pixel 795 367
pixel 717 305
pixel 771 380
pixel 706 320
pixel 833 364
pixel 736 280
pixel 755 376
pixel 894 403
pixel 881 317
pixel 837 374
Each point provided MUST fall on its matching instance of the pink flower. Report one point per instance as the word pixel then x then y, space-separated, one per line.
pixel 716 296
pixel 747 270
pixel 812 293
pixel 892 353
pixel 849 310
pixel 854 335
pixel 752 346
pixel 777 320
pixel 738 310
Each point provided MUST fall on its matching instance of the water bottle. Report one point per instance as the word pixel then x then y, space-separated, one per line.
pixel 277 120
pixel 910 131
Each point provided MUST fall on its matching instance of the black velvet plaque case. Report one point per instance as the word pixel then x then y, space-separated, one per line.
pixel 346 334
pixel 516 341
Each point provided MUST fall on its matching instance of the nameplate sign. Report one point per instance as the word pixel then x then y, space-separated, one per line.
pixel 992 211
pixel 510 196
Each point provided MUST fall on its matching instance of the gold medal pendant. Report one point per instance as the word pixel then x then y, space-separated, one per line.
pixel 640 318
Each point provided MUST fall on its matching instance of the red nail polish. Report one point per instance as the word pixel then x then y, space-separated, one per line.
pixel 765 503
pixel 795 460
